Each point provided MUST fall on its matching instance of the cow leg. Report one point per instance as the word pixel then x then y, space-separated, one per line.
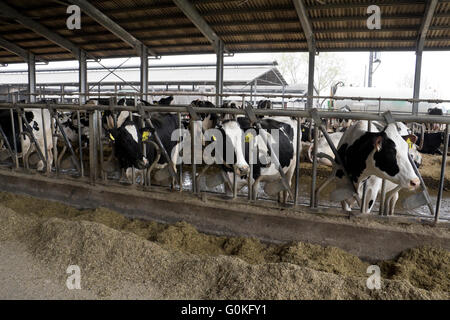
pixel 392 204
pixel 389 203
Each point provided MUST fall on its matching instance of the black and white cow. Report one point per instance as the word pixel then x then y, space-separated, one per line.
pixel 236 131
pixel 34 119
pixel 325 155
pixel 128 137
pixel 380 153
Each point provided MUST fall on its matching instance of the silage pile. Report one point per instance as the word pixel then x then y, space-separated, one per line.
pixel 180 263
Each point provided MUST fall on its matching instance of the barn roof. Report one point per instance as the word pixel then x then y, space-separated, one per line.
pixel 234 74
pixel 243 26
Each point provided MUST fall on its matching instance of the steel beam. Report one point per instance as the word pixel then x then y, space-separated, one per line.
pixel 311 65
pixel 191 12
pixel 144 72
pixel 13 48
pixel 109 24
pixel 219 74
pixel 39 28
pixel 426 22
pixel 310 38
pixel 306 24
pixel 82 77
pixel 31 61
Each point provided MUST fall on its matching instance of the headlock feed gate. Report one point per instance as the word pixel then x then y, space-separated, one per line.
pixel 88 164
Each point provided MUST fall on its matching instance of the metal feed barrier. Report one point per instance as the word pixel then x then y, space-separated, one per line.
pixel 97 173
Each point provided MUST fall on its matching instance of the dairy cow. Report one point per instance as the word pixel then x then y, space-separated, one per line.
pixel 34 120
pixel 127 139
pixel 380 153
pixel 263 170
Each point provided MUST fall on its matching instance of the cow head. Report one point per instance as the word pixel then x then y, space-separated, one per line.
pixel 390 157
pixel 127 149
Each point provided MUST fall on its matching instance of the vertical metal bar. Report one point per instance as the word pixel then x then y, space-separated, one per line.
pixel 133 170
pixel 417 76
pixel 383 197
pixel 219 73
pixel 55 146
pixel 31 78
pixel 16 157
pixel 82 77
pixel 311 65
pixel 92 146
pixel 193 158
pixel 250 175
pixel 363 207
pixel 442 179
pixel 48 167
pixel 100 144
pixel 80 144
pixel 313 199
pixel 297 162
pixel 180 169
pixel 144 72
pixel 19 117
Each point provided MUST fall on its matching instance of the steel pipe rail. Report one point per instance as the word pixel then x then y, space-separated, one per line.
pixel 241 95
pixel 286 113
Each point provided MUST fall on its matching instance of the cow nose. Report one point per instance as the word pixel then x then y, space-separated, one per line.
pixel 414 183
pixel 243 169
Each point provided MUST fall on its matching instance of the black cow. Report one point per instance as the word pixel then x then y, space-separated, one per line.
pixel 431 142
pixel 128 137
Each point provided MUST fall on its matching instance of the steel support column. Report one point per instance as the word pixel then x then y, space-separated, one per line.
pixel 417 77
pixel 144 72
pixel 82 77
pixel 311 65
pixel 219 74
pixel 426 23
pixel 31 61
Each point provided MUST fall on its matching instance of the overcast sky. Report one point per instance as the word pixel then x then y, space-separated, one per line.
pixel 396 68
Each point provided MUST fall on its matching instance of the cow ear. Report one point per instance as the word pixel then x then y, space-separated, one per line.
pixel 378 143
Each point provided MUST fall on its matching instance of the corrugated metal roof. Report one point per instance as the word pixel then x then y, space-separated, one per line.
pixel 243 25
pixel 265 75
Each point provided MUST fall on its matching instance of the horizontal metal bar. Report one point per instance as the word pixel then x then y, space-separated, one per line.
pixel 271 112
pixel 286 96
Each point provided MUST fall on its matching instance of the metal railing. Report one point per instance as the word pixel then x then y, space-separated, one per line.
pixel 96 154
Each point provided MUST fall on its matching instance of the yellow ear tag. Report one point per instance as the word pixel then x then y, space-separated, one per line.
pixel 111 137
pixel 248 137
pixel 214 138
pixel 145 135
pixel 410 144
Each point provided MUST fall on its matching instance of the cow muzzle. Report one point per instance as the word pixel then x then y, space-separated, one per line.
pixel 242 170
pixel 142 164
pixel 414 183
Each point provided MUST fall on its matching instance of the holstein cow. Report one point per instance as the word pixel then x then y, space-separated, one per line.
pixel 263 170
pixel 34 120
pixel 325 155
pixel 128 137
pixel 383 154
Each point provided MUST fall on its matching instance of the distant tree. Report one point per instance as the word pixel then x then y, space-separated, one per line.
pixel 329 69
